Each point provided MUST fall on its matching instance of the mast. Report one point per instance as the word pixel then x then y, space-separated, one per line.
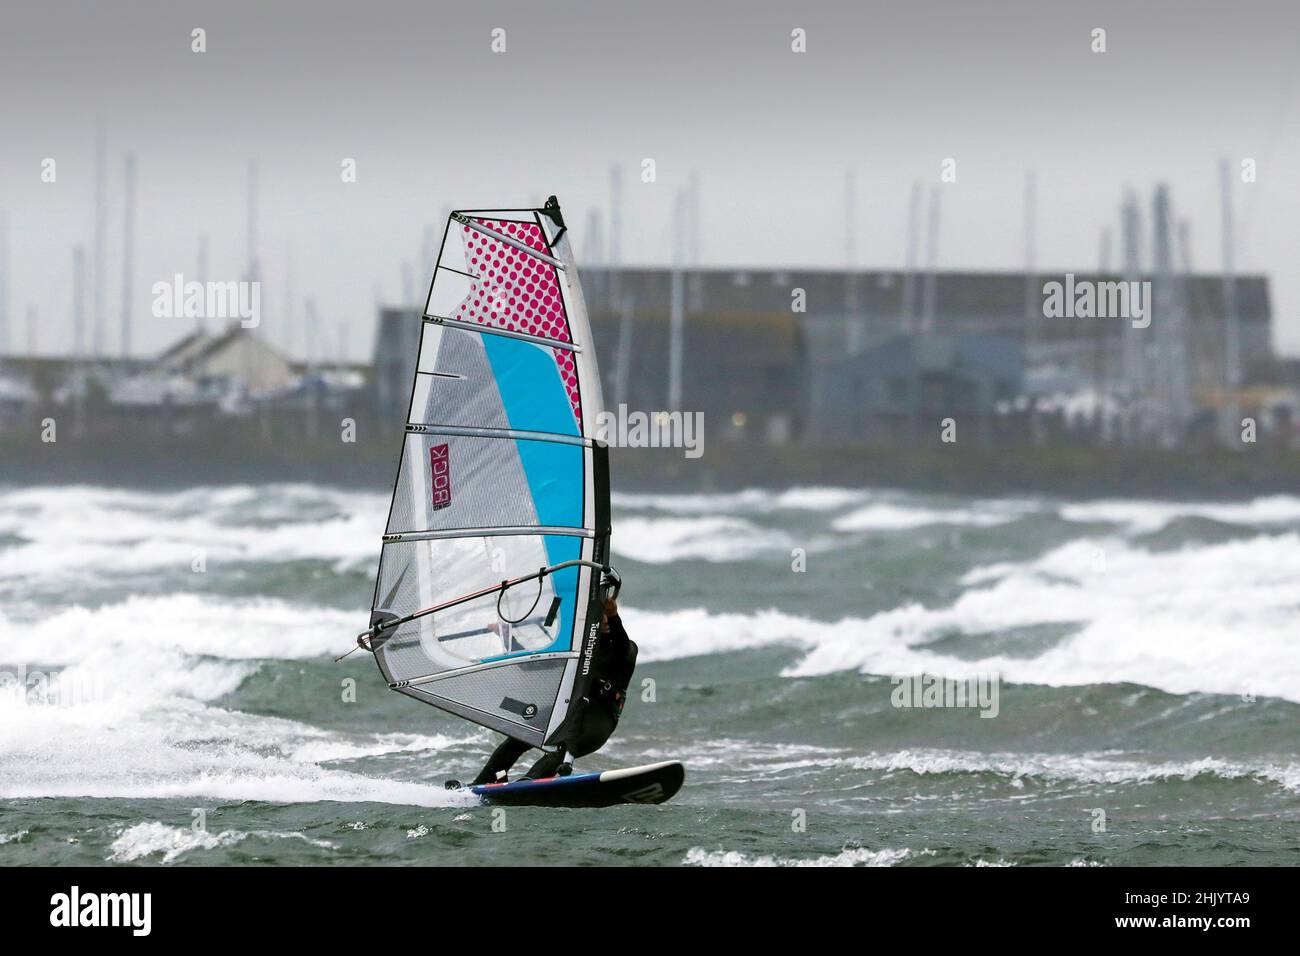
pixel 78 336
pixel 101 242
pixel 290 298
pixel 907 312
pixel 613 286
pixel 694 232
pixel 1135 378
pixel 1168 323
pixel 253 268
pixel 623 362
pixel 313 386
pixel 930 289
pixel 1231 328
pixel 408 284
pixel 428 249
pixel 676 316
pixel 4 282
pixel 200 323
pixel 128 254
pixel 852 319
pixel 1032 292
pixel 32 346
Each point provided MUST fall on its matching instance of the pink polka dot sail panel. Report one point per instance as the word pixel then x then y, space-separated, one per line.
pixel 516 291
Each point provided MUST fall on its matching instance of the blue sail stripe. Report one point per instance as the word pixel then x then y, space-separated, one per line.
pixel 535 399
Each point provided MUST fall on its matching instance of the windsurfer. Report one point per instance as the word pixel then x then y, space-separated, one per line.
pixel 613 661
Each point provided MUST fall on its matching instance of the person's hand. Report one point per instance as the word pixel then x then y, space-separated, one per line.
pixel 611 610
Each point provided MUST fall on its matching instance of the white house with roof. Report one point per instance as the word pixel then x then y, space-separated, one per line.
pixel 206 368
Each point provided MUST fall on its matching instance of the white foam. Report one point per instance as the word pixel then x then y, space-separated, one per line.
pixel 131 747
pixel 753 500
pixel 151 839
pixel 819 498
pixel 16 837
pixel 326 749
pixel 874 510
pixel 752 757
pixel 145 650
pixel 717 538
pixel 668 635
pixel 895 516
pixel 852 856
pixel 1219 619
pixel 757 759
pixel 227 628
pixel 1084 768
pixel 1142 517
pixel 129 687
pixel 82 534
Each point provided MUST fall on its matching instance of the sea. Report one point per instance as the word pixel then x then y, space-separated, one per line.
pixel 169 695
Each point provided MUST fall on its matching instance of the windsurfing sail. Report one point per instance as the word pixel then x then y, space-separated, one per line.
pixel 489 584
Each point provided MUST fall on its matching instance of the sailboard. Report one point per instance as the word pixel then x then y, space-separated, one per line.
pixel 653 783
pixel 489 593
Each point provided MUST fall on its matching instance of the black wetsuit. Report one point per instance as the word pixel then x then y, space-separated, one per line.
pixel 612 663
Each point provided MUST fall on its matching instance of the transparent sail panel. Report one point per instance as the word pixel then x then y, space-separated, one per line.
pixel 414 575
pixel 519 698
pixel 465 378
pixel 480 654
pixel 448 482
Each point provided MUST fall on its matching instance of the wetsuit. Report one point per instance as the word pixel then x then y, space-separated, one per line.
pixel 612 663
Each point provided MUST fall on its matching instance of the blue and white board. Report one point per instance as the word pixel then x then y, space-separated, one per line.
pixel 653 783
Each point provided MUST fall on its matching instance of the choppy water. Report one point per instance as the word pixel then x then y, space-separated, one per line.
pixel 1149 651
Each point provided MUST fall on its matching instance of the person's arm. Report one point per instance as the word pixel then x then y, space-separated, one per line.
pixel 622 652
pixel 617 633
pixel 612 625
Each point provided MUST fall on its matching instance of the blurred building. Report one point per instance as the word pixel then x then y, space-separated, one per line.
pixel 901 389
pixel 17 395
pixel 236 358
pixel 811 353
pixel 203 371
pixel 397 346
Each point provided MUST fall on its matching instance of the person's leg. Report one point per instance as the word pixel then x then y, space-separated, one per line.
pixel 546 765
pixel 502 759
pixel 597 725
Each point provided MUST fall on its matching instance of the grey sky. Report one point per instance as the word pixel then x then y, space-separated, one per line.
pixel 434 119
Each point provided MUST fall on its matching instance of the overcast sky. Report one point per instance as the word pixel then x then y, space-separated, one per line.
pixel 435 119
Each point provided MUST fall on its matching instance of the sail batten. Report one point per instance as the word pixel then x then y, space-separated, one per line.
pixel 498 477
pixel 511 241
pixel 487 532
pixel 487 432
pixel 507 333
pixel 479 668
